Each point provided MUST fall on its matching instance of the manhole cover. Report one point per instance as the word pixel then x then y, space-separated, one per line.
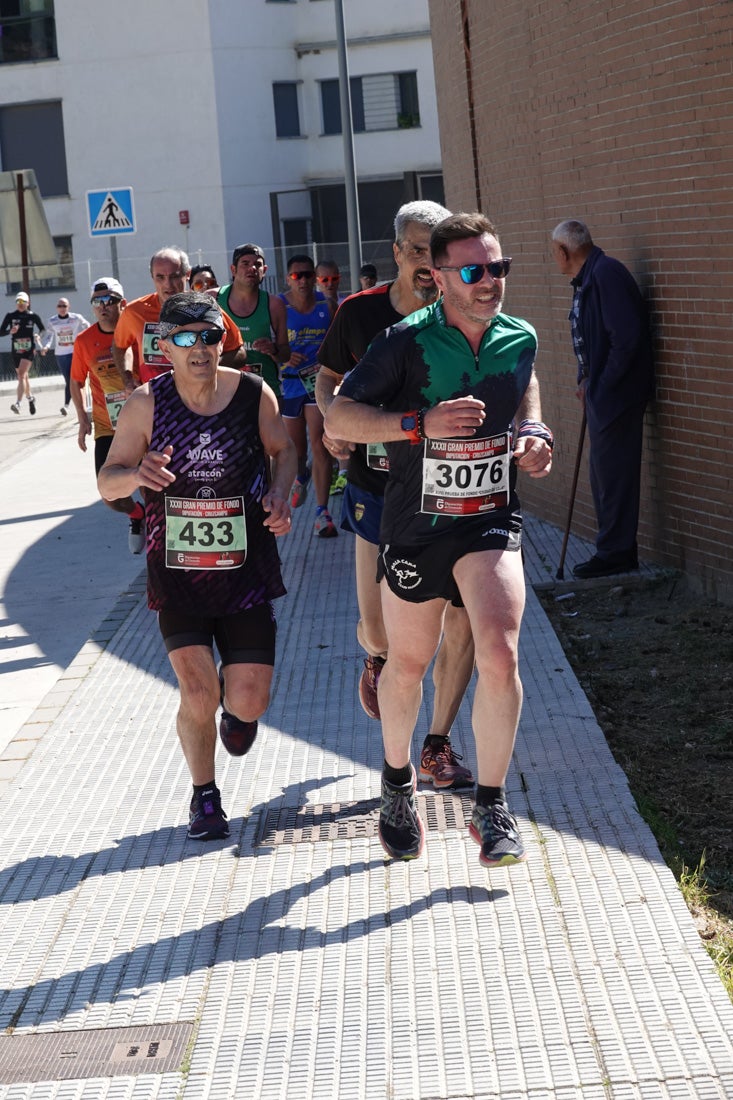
pixel 348 820
pixel 107 1052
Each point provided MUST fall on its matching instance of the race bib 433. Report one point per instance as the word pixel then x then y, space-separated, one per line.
pixel 205 534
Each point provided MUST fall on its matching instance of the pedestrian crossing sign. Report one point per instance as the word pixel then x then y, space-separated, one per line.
pixel 110 212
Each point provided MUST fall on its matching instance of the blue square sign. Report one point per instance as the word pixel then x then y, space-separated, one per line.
pixel 110 212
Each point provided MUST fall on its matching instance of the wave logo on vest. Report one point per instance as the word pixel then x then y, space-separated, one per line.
pixel 206 455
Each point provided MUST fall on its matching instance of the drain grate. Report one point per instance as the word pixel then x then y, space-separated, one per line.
pixel 107 1052
pixel 351 820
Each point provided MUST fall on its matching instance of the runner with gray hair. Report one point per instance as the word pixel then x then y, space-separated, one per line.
pixel 359 319
pixel 138 325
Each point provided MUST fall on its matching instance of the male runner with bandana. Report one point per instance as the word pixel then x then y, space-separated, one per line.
pixel 209 447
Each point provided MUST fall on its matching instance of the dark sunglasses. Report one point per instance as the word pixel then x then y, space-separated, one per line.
pixel 106 300
pixel 474 273
pixel 295 275
pixel 328 278
pixel 187 338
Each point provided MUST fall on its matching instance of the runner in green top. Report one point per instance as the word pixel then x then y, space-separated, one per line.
pixel 452 392
pixel 260 317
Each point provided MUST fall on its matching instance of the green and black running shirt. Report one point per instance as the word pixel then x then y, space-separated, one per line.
pixel 418 363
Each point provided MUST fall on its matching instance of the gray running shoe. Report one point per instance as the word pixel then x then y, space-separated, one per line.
pixel 495 829
pixel 401 832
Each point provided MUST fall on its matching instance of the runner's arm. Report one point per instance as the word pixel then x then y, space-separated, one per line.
pixel 237 358
pixel 349 419
pixel 279 322
pixel 533 454
pixel 283 462
pixel 124 361
pixel 327 382
pixel 129 463
pixel 85 427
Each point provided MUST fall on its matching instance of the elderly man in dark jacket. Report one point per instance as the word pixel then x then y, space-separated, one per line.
pixel 611 339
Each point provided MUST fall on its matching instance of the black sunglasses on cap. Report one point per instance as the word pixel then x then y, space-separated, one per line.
pixel 474 273
pixel 187 338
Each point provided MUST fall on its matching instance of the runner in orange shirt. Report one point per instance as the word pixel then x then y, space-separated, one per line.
pixel 138 325
pixel 92 359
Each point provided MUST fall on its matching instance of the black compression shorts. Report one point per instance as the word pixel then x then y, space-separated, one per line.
pixel 244 638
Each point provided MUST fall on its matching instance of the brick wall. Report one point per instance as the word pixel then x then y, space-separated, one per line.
pixel 620 115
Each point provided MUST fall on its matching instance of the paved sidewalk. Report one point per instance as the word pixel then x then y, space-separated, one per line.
pixel 64 558
pixel 291 961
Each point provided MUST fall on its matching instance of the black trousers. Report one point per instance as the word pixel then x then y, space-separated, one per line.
pixel 615 470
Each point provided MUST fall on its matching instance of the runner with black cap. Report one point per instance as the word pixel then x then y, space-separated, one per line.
pixel 209 447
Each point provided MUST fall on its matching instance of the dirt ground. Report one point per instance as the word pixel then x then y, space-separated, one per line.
pixel 656 663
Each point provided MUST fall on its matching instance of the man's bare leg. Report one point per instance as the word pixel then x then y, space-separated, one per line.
pixel 245 696
pixel 413 632
pixel 370 628
pixel 322 467
pixel 196 724
pixel 492 587
pixel 452 671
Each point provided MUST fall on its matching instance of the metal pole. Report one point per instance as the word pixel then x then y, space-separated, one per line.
pixel 113 257
pixel 352 198
pixel 23 232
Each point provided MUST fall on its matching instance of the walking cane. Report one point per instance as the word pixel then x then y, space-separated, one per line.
pixel 560 575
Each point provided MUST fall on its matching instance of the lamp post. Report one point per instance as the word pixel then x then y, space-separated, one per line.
pixel 352 197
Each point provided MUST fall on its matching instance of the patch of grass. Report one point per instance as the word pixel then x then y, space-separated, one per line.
pixel 716 934
pixel 714 926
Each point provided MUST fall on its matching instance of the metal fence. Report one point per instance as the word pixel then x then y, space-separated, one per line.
pixel 133 271
pixel 133 274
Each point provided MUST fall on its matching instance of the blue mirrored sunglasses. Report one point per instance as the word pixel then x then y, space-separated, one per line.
pixel 187 338
pixel 474 273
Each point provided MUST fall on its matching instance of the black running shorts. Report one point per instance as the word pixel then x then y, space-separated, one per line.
pixel 420 573
pixel 244 638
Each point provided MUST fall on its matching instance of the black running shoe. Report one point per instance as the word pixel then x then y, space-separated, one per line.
pixel 495 829
pixel 32 405
pixel 207 820
pixel 401 831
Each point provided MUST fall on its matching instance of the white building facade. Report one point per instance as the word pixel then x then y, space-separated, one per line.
pixel 223 117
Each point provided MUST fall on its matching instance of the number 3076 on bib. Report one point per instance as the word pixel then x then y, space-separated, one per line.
pixel 463 477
